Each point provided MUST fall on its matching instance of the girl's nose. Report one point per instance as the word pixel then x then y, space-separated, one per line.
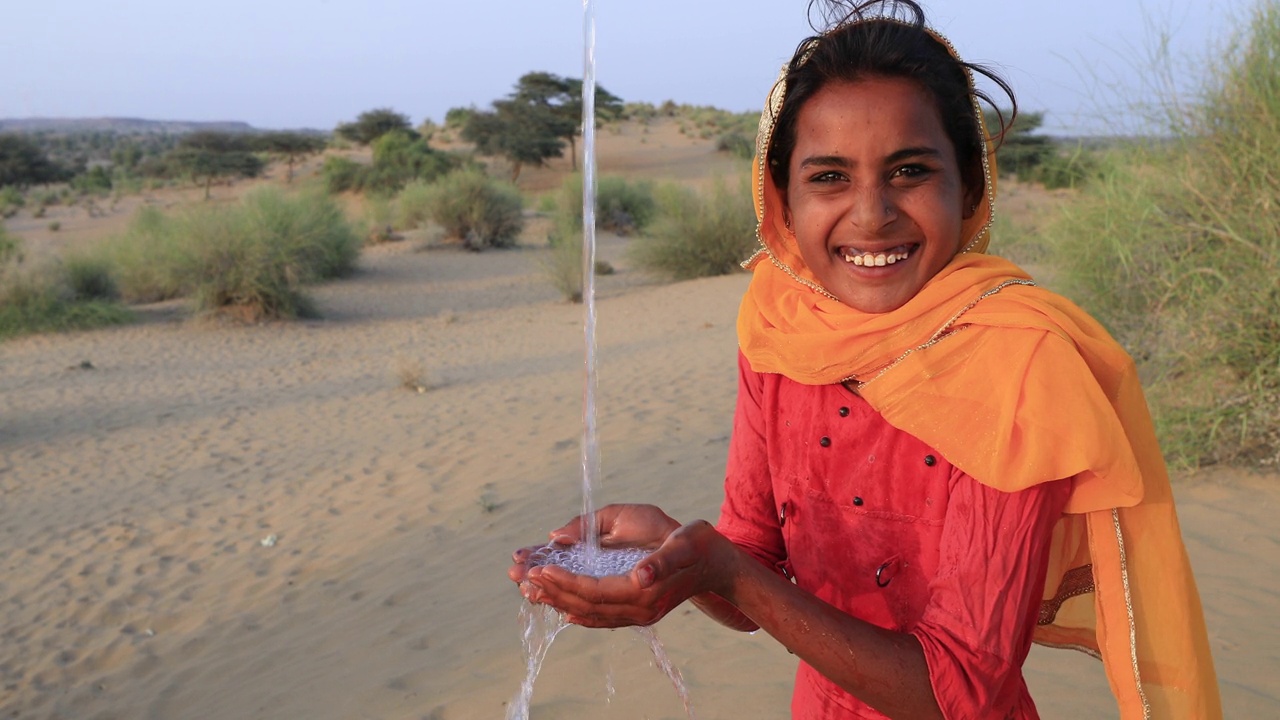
pixel 873 209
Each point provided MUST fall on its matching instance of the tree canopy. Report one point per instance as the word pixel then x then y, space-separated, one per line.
pixel 290 146
pixel 23 163
pixel 533 123
pixel 1022 150
pixel 373 124
pixel 207 155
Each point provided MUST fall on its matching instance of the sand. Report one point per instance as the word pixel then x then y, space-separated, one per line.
pixel 203 520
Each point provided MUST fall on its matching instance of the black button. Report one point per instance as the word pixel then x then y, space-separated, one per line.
pixel 844 412
pixel 825 442
pixel 857 501
pixel 930 460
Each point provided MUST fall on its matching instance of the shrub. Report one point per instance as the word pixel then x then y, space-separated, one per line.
pixel 737 144
pixel 1069 170
pixel 254 256
pixel 342 174
pixel 90 278
pixel 44 300
pixel 562 267
pixel 1175 247
pixel 475 208
pixel 413 205
pixel 147 260
pixel 621 207
pixel 698 234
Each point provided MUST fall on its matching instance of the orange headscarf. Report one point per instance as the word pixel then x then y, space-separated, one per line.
pixel 1015 386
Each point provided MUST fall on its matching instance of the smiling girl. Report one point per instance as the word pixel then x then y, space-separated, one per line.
pixel 934 462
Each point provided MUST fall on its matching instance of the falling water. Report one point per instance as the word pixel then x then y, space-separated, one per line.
pixel 539 623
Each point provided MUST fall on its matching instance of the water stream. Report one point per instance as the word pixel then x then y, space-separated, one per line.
pixel 539 624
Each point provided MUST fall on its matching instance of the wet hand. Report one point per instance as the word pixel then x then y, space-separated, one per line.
pixel 683 566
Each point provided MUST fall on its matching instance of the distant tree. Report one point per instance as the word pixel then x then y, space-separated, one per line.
pixel 290 147
pixel 23 163
pixel 207 155
pixel 524 133
pixel 373 124
pixel 400 156
pixel 608 107
pixel 1022 151
pixel 457 118
pixel 532 124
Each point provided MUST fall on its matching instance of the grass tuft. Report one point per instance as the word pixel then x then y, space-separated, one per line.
pixel 698 234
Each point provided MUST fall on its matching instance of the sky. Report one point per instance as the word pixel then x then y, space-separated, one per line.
pixel 315 63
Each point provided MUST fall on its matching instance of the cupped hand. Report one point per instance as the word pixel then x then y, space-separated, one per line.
pixel 643 526
pixel 684 565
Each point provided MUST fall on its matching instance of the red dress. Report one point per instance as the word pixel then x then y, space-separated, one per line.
pixel 876 523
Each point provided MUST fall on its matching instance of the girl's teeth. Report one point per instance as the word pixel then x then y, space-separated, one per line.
pixel 876 259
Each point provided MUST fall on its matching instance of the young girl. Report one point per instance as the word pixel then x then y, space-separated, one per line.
pixel 934 462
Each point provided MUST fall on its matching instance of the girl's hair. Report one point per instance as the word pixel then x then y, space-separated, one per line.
pixel 884 38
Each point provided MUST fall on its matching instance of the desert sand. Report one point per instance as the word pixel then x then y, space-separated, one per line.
pixel 207 520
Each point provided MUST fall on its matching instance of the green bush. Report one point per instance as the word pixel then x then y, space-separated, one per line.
pixel 1175 247
pixel 255 256
pixel 47 299
pixel 737 144
pixel 342 174
pixel 475 208
pixel 147 260
pixel 622 207
pixel 1066 170
pixel 413 205
pixel 698 234
pixel 90 278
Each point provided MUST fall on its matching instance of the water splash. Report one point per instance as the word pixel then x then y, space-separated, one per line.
pixel 540 624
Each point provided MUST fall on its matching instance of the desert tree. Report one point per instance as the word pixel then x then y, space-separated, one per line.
pixel 373 124
pixel 23 163
pixel 208 155
pixel 290 147
pixel 525 133
pixel 1022 150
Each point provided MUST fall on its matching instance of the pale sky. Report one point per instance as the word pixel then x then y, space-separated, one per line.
pixel 314 63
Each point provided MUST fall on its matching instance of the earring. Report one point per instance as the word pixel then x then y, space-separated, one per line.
pixel 787 221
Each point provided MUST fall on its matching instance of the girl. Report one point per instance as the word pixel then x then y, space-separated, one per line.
pixel 934 462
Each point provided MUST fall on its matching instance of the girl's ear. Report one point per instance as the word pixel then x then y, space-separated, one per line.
pixel 786 208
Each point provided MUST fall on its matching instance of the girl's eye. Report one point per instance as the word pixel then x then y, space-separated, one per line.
pixel 828 176
pixel 911 172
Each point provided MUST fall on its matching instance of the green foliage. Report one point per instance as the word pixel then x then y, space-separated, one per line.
pixel 50 299
pixel 562 267
pixel 253 257
pixel 698 234
pixel 1068 169
pixel 737 144
pixel 290 147
pixel 90 278
pixel 1021 151
pixel 24 163
pixel 96 180
pixel 1175 247
pixel 373 124
pixel 622 207
pixel 413 205
pixel 147 261
pixel 458 117
pixel 399 157
pixel 11 200
pixel 532 125
pixel 342 174
pixel 209 155
pixel 475 208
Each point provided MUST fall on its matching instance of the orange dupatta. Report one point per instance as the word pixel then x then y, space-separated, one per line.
pixel 1015 386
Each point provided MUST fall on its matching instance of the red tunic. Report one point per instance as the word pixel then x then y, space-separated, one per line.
pixel 878 524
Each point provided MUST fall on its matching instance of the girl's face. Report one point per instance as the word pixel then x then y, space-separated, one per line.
pixel 875 196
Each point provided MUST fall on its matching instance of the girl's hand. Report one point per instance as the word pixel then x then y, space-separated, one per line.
pixel 643 526
pixel 683 566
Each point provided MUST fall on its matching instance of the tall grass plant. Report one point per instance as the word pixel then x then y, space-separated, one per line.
pixel 1175 247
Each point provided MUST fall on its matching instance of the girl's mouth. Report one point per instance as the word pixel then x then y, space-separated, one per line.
pixel 877 259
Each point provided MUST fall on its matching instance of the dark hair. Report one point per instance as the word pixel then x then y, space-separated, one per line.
pixel 884 38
